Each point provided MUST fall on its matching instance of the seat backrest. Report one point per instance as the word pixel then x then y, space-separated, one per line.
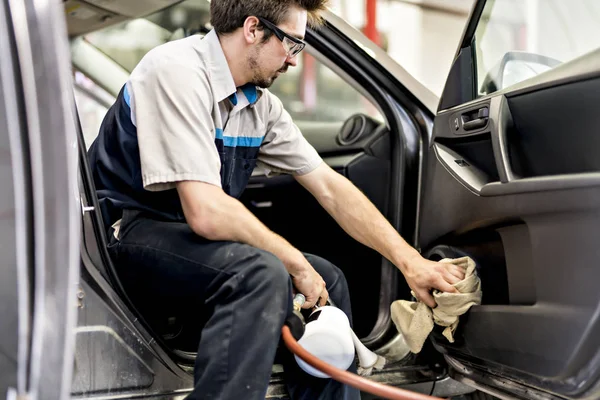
pixel 93 229
pixel 94 243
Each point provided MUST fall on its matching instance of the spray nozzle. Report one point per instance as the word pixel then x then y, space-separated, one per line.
pixel 296 321
pixel 299 300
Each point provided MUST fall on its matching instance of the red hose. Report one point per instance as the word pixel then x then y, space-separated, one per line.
pixel 349 378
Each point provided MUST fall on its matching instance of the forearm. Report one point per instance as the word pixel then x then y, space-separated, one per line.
pixel 222 217
pixel 357 215
pixel 361 220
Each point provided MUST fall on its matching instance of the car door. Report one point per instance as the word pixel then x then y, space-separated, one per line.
pixel 512 179
pixel 39 231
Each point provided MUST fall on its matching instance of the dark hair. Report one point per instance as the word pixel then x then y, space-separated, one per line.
pixel 228 15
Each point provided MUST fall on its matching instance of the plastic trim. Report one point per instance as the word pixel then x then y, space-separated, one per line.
pixel 541 184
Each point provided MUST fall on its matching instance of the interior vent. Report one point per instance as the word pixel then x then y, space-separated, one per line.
pixel 353 130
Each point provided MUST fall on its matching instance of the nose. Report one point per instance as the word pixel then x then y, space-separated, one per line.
pixel 293 61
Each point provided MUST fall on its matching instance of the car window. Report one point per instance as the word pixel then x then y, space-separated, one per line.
pixel 313 92
pixel 516 40
pixel 309 92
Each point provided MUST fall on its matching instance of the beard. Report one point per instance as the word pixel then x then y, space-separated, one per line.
pixel 262 81
pixel 260 78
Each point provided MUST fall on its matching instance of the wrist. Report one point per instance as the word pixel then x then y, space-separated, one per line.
pixel 294 262
pixel 405 259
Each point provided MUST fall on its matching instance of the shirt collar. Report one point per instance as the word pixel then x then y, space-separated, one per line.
pixel 223 84
pixel 250 91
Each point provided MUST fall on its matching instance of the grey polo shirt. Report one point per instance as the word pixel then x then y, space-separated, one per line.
pixel 183 102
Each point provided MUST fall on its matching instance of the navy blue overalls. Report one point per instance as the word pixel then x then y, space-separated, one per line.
pixel 115 162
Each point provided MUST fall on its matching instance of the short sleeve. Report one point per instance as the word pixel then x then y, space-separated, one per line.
pixel 284 149
pixel 176 133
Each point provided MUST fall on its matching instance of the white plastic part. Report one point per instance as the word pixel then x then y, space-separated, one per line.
pixel 368 361
pixel 328 337
pixel 366 357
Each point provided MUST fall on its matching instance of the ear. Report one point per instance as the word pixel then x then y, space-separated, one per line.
pixel 251 32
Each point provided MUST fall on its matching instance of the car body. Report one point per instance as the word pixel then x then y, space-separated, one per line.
pixel 502 167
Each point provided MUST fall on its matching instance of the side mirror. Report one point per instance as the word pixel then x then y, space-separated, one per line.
pixel 516 67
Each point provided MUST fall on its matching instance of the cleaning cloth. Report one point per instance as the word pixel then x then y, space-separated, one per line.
pixel 415 319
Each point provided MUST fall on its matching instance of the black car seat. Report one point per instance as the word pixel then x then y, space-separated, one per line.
pixel 94 243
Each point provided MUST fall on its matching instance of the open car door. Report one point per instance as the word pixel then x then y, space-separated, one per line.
pixel 39 208
pixel 512 178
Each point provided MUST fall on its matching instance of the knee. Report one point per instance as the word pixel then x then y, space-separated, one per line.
pixel 267 268
pixel 269 278
pixel 339 277
pixel 333 276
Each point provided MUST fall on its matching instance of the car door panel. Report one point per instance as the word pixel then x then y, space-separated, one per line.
pixel 521 195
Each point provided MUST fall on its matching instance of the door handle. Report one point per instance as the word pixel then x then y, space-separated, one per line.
pixel 472 122
pixel 502 123
pixel 261 204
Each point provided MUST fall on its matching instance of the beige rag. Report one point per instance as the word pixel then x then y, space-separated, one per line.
pixel 415 319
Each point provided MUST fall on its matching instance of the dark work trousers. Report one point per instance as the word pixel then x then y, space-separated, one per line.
pixel 240 296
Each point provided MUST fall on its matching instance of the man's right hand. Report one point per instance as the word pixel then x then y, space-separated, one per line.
pixel 308 282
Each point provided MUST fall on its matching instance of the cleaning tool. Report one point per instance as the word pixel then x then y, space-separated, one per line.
pixel 367 360
pixel 328 335
pixel 328 370
pixel 415 320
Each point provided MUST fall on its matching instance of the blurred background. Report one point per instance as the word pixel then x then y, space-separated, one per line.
pixel 422 36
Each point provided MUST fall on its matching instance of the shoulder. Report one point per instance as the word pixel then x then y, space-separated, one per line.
pixel 185 56
pixel 269 102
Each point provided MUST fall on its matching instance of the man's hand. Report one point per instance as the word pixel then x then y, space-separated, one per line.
pixel 308 282
pixel 423 276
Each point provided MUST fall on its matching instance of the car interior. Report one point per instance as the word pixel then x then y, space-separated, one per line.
pixel 506 174
pixel 344 124
pixel 356 146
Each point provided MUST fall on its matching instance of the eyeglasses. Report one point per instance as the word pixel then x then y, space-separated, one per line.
pixel 292 45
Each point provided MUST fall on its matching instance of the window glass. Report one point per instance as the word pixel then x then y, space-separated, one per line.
pixel 310 92
pixel 313 92
pixel 518 39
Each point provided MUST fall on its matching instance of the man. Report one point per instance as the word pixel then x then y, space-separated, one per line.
pixel 176 150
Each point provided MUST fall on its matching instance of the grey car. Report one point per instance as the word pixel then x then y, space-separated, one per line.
pixel 502 167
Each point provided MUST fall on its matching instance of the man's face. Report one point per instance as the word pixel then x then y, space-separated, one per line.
pixel 268 60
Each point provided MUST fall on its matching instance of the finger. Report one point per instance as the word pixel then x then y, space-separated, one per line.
pixel 426 298
pixel 444 286
pixel 309 303
pixel 448 277
pixel 456 271
pixel 324 297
